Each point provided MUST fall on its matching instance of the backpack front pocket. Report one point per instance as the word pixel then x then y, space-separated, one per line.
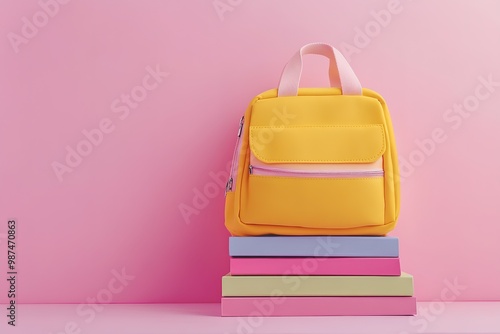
pixel 316 177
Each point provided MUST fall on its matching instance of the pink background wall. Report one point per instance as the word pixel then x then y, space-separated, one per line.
pixel 119 206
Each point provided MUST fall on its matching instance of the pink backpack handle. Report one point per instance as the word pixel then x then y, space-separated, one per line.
pixel 341 74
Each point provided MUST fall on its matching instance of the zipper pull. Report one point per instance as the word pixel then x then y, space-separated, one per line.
pixel 240 129
pixel 229 185
pixel 250 169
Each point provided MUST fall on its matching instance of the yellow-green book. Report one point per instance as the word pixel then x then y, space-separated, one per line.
pixel 264 286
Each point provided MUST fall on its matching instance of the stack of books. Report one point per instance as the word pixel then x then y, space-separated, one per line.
pixel 316 275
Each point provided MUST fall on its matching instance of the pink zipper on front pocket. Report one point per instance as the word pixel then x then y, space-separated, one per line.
pixel 236 156
pixel 273 171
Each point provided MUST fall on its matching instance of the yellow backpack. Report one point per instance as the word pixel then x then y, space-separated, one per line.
pixel 314 161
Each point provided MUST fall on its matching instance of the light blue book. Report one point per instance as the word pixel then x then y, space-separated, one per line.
pixel 315 246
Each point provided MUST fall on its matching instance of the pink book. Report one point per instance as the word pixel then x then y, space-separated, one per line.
pixel 316 306
pixel 303 266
